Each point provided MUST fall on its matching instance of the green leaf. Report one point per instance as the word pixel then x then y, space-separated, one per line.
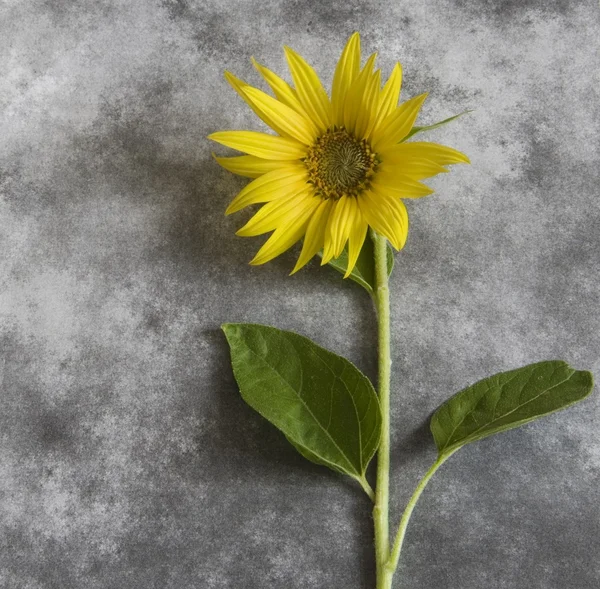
pixel 364 271
pixel 314 457
pixel 416 130
pixel 507 400
pixel 323 404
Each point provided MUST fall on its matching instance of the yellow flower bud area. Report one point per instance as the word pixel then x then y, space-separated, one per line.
pixel 339 165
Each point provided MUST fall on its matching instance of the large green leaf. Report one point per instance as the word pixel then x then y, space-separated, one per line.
pixel 416 130
pixel 507 400
pixel 364 271
pixel 314 457
pixel 323 404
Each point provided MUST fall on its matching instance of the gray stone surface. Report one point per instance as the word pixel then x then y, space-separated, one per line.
pixel 127 459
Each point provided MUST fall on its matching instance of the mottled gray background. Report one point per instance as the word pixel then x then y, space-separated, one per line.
pixel 127 459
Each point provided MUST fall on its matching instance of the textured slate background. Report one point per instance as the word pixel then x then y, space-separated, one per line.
pixel 127 459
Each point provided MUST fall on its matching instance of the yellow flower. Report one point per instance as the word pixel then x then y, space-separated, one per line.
pixel 337 166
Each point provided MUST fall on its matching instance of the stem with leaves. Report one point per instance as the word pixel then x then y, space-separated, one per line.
pixel 278 389
pixel 541 388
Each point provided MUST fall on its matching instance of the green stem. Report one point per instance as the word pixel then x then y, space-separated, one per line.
pixel 367 488
pixel 397 547
pixel 381 296
pixel 387 561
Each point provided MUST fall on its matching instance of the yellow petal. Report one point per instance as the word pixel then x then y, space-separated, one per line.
pixel 236 83
pixel 271 186
pixel 368 107
pixel 327 241
pixel 388 99
pixel 439 154
pixel 315 234
pixel 387 216
pixel 396 126
pixel 369 65
pixel 282 118
pixel 286 235
pixel 342 223
pixel 418 169
pixel 358 232
pixel 277 212
pixel 240 87
pixel 355 96
pixel 345 73
pixel 311 93
pixel 282 90
pixel 339 224
pixel 400 186
pixel 261 144
pixel 249 166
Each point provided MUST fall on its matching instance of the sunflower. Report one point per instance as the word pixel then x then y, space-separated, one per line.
pixel 336 166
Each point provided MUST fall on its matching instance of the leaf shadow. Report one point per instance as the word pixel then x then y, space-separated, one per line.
pixel 413 446
pixel 241 441
pixel 196 249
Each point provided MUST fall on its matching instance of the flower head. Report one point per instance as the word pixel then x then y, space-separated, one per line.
pixel 336 166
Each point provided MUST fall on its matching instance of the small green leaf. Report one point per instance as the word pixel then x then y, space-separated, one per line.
pixel 416 130
pixel 364 271
pixel 322 403
pixel 507 400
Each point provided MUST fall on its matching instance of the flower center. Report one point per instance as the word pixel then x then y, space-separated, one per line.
pixel 340 165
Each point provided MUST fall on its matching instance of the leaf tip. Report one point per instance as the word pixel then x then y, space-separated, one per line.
pixel 587 378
